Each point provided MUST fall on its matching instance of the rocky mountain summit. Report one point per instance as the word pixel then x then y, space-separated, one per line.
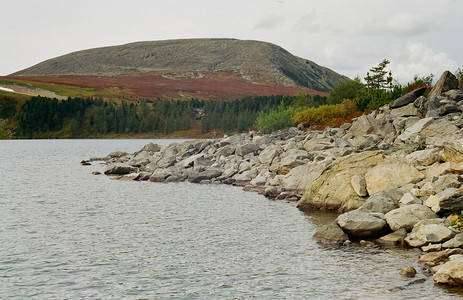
pixel 394 173
pixel 255 61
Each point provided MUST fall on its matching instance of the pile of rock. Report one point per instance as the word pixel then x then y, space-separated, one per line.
pixel 394 173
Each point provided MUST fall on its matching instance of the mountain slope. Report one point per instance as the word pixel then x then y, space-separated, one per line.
pixel 257 62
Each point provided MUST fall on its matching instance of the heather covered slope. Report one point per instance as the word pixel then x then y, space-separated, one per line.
pixel 256 62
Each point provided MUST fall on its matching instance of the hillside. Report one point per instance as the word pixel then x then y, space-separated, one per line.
pixel 197 63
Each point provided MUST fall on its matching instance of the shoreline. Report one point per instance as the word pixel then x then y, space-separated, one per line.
pixel 394 174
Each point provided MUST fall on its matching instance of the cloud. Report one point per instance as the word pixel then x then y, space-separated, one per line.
pixel 418 59
pixel 270 22
pixel 402 24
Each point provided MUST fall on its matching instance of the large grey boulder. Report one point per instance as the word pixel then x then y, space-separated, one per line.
pixel 407 216
pixel 382 202
pixel 208 174
pixel 407 98
pixel 362 224
pixel 446 82
pixel 247 148
pixel 119 169
pixel 454 95
pixel 411 131
pixel 331 234
pixel 367 124
pixel 405 111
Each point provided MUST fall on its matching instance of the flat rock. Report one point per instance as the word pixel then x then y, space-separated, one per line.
pixel 119 169
pixel 396 237
pixel 451 273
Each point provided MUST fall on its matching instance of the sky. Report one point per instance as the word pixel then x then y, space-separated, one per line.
pixel 418 37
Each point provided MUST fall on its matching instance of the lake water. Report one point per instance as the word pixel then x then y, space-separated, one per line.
pixel 68 234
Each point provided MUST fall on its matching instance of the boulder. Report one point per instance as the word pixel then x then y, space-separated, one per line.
pixel 367 124
pixel 431 233
pixel 449 200
pixel 328 185
pixel 407 98
pixel 405 111
pixel 318 144
pixel 454 95
pixel 382 202
pixel 247 148
pixel 389 175
pixel 207 174
pixel 424 157
pixel 160 175
pixel 167 160
pixel 434 258
pixel 451 273
pixel 439 132
pixel 119 169
pixel 267 155
pixel 407 216
pixel 446 82
pixel 295 180
pixel 360 224
pixel 331 234
pixel 151 148
pixel 413 129
pixel 455 242
pixel 448 109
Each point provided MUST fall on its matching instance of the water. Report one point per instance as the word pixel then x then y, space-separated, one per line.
pixel 68 234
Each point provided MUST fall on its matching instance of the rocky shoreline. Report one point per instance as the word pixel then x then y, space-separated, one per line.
pixel 394 174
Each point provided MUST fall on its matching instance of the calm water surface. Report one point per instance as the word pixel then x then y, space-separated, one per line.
pixel 67 234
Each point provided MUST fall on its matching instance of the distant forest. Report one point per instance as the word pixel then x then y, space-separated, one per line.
pixel 79 117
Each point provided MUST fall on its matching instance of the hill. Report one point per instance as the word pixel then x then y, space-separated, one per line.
pixel 207 68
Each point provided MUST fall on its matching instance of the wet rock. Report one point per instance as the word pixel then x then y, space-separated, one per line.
pixel 361 224
pixel 331 234
pixel 408 272
pixel 119 169
pixel 396 237
pixel 451 273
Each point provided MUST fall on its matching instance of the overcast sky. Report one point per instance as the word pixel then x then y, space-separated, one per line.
pixel 349 37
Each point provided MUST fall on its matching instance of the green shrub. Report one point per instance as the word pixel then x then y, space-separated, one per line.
pixel 280 118
pixel 325 114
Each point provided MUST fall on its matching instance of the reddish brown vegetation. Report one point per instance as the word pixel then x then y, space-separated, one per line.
pixel 214 85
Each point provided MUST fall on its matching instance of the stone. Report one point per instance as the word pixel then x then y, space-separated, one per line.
pixel 151 148
pixel 408 272
pixel 453 151
pixel 455 242
pixel 451 273
pixel 454 95
pixel 405 111
pixel 267 155
pixel 382 202
pixel 408 199
pixel 247 148
pixel 119 169
pixel 438 169
pixel 439 132
pixel 331 234
pixel 389 175
pixel 359 185
pixel 160 175
pixel 207 174
pixel 434 258
pixel 318 144
pixel 361 224
pixel 448 109
pixel 167 160
pixel 407 98
pixel 449 200
pixel 446 82
pixel 432 248
pixel 328 185
pixel 415 128
pixel 295 180
pixel 367 124
pixel 429 233
pixel 407 216
pixel 396 237
pixel 425 157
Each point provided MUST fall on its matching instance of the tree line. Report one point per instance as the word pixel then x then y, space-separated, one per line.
pixel 79 117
